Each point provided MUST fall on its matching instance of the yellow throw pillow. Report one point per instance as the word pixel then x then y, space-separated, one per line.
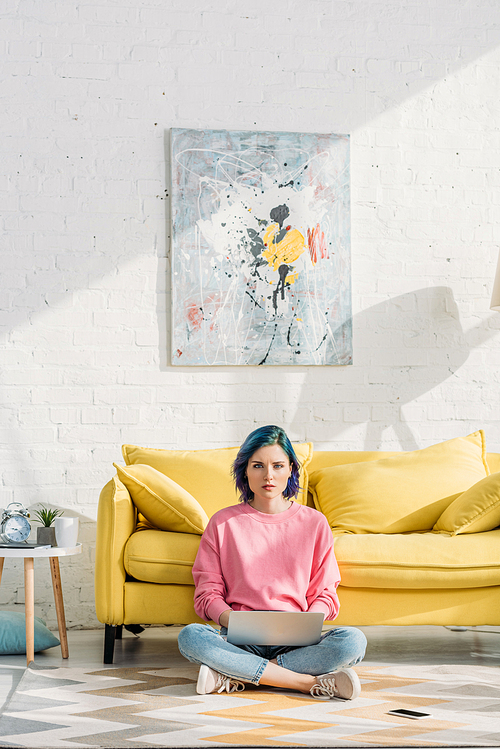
pixel 163 502
pixel 407 492
pixel 474 511
pixel 206 474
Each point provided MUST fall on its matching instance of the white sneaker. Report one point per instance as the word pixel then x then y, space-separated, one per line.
pixel 210 681
pixel 343 684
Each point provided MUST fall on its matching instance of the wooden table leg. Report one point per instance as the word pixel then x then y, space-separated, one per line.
pixel 2 560
pixel 29 607
pixel 58 598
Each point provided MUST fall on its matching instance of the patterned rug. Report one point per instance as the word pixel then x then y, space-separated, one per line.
pixel 133 707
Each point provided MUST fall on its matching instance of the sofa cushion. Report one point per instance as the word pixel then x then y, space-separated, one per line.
pixel 161 556
pixel 329 458
pixel 404 493
pixel 206 474
pixel 163 502
pixel 419 560
pixel 474 511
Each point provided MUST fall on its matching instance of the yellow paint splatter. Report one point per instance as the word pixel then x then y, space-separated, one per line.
pixel 285 252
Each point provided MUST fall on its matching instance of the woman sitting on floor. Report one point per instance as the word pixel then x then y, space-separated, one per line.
pixel 269 553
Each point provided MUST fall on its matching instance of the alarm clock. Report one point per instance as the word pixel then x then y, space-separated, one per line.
pixel 14 525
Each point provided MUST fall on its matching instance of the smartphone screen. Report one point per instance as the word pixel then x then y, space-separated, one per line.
pixel 409 714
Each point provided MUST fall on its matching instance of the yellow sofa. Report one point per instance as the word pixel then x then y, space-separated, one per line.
pixel 404 557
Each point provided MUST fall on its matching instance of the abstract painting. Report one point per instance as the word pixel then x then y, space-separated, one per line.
pixel 260 248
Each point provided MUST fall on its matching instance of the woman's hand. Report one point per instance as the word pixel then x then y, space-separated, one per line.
pixel 224 618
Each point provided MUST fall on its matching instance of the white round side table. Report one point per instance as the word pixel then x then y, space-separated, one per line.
pixel 29 554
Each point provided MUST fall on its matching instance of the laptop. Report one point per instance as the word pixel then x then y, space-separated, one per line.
pixel 293 628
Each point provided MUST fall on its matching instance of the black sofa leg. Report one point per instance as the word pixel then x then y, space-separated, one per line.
pixel 109 642
pixel 119 629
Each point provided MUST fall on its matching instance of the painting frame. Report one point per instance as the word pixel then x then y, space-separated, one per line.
pixel 261 255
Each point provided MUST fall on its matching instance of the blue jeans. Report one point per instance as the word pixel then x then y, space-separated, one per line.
pixel 338 648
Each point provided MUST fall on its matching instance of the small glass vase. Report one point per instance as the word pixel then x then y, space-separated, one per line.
pixel 46 535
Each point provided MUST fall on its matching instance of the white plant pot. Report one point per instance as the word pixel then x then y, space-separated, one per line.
pixel 66 532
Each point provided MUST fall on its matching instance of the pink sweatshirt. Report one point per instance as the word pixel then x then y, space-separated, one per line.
pixel 250 561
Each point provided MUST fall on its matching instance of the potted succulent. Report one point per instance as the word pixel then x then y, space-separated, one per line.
pixel 46 516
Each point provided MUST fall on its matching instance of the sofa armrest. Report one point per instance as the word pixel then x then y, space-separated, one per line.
pixel 115 524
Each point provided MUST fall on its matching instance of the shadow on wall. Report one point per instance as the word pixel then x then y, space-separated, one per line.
pixel 164 274
pixel 407 346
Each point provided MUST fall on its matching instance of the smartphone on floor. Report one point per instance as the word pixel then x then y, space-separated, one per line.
pixel 413 714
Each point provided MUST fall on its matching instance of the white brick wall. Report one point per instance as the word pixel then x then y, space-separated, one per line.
pixel 89 92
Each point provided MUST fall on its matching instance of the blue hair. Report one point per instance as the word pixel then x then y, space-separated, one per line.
pixel 262 437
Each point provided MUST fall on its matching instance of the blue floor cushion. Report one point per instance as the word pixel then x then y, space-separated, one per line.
pixel 13 634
